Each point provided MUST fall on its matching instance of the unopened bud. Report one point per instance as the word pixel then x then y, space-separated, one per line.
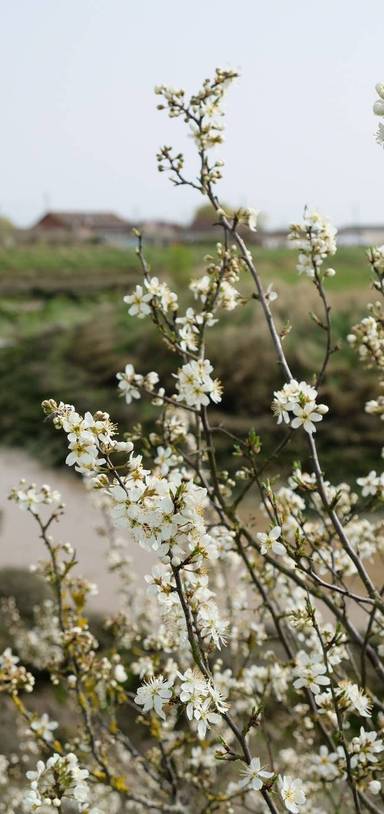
pixel 378 107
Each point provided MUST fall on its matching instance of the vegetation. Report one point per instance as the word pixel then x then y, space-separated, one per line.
pixel 60 304
pixel 49 269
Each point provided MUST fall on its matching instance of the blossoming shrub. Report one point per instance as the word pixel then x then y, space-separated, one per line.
pixel 248 676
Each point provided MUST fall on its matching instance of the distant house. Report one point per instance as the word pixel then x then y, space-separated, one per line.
pixel 161 232
pixel 102 227
pixel 371 235
pixel 274 239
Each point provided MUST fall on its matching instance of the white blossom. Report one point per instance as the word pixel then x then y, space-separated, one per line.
pixel 139 303
pixel 44 727
pixel 270 542
pixel 292 793
pixel 153 694
pixel 195 385
pixel 315 239
pixel 365 748
pixel 254 775
pixel 296 405
pixel 310 672
pixel 60 777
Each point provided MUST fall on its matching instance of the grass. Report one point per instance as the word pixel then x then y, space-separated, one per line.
pixel 106 264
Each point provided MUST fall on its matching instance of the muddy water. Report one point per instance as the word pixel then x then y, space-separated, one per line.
pixel 19 541
pixel 20 545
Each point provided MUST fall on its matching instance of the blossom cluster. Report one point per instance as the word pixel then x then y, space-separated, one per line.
pixel 378 109
pixel 295 404
pixel 367 337
pixel 131 383
pixel 155 294
pixel 204 105
pixel 60 777
pixel 315 239
pixel 13 675
pixel 195 386
pixel 31 498
pixel 217 288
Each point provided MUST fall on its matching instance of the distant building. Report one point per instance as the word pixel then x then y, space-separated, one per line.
pixel 274 239
pixel 102 227
pixel 371 235
pixel 107 227
pixel 161 232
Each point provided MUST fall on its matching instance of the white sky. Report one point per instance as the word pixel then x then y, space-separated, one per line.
pixel 80 128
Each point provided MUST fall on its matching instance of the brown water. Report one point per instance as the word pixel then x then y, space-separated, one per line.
pixel 20 545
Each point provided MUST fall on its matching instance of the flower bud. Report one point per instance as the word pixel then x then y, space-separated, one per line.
pixel 49 406
pixel 379 88
pixel 120 674
pixel 124 446
pixel 378 107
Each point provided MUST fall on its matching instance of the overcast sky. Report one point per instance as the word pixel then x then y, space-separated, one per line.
pixel 80 127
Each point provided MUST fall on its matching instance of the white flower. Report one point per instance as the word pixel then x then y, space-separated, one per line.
pixel 120 674
pixel 165 459
pixel 154 286
pixel 310 671
pixel 269 542
pixel 253 215
pixel 44 727
pixel 129 382
pixel 193 691
pixel 60 777
pixel 165 298
pixel 370 484
pixel 315 240
pixel 254 775
pixel 305 416
pixel 365 747
pixel 353 695
pixel 153 694
pixel 292 793
pixel 195 385
pixel 138 302
pixel 205 716
pixel 270 294
pixel 324 764
pixel 29 499
pixel 380 134
pixel 296 405
pixel 83 450
pixel 378 107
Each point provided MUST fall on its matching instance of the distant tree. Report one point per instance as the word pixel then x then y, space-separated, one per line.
pixel 204 216
pixel 7 229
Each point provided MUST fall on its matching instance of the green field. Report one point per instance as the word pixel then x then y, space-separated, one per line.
pixel 48 268
pixel 64 332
